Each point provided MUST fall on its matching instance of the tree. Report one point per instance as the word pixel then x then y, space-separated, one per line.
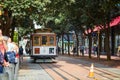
pixel 17 11
pixel 58 14
pixel 100 13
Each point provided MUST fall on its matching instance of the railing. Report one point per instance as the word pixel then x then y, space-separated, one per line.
pixel 11 72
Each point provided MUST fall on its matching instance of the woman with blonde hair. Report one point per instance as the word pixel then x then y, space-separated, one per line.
pixel 3 48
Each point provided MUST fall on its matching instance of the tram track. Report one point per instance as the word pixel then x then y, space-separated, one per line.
pixel 51 69
pixel 100 72
pixel 104 73
pixel 65 74
pixel 63 71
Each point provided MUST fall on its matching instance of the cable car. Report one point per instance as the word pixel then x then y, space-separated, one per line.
pixel 43 44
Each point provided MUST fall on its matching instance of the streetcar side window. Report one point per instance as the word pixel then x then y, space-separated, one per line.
pixel 51 40
pixel 44 40
pixel 36 40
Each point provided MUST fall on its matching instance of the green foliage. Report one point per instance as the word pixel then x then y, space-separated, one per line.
pixel 60 15
pixel 24 31
pixel 15 37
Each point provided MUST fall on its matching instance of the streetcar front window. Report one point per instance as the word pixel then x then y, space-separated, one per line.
pixel 36 40
pixel 44 40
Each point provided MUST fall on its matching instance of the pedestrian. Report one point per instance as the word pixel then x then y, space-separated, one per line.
pixel 118 51
pixel 21 54
pixel 58 50
pixel 82 49
pixel 27 48
pixel 10 52
pixel 10 45
pixel 3 48
pixel 74 50
pixel 95 49
pixel 16 50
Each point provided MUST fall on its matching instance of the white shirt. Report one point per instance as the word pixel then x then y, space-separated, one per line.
pixel 10 46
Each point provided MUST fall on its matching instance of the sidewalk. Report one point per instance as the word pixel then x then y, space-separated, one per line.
pixel 114 62
pixel 31 71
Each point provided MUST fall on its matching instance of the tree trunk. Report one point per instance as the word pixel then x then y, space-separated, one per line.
pixel 77 43
pixel 58 47
pixel 107 41
pixel 68 43
pixel 62 44
pixel 98 56
pixel 90 44
pixel 6 24
pixel 12 33
pixel 100 43
pixel 112 41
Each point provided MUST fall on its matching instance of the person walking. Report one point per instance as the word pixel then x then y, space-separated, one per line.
pixel 16 49
pixel 95 50
pixel 3 61
pixel 10 45
pixel 21 54
pixel 118 51
pixel 74 50
pixel 82 49
pixel 58 49
pixel 10 52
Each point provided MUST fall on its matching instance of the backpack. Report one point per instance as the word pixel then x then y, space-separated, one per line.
pixel 10 57
pixel 1 58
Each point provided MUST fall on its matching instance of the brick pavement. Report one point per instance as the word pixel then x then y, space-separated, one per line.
pixel 114 62
pixel 31 71
pixel 69 68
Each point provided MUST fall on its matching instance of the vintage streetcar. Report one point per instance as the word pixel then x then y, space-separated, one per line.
pixel 43 44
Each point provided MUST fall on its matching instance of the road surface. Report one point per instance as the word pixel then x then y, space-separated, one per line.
pixel 66 68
